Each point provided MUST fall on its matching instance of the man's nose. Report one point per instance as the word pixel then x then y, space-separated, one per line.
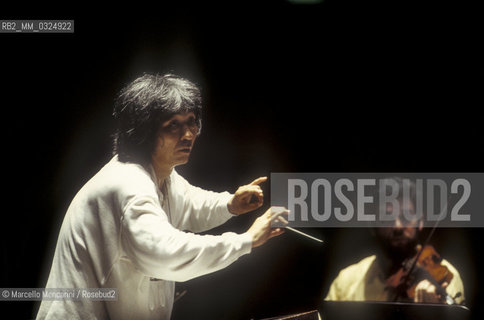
pixel 398 223
pixel 187 133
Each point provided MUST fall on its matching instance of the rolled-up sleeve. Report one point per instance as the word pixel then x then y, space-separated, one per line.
pixel 159 250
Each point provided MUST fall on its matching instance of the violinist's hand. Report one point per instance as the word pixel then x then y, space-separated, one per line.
pixel 247 198
pixel 261 230
pixel 426 292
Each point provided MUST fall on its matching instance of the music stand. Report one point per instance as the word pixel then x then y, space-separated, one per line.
pixel 364 310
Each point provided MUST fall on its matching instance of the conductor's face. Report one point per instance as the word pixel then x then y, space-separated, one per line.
pixel 175 140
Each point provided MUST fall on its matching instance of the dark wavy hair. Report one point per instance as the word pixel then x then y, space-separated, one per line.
pixel 143 105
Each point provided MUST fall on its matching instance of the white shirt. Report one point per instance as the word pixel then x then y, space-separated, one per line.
pixel 365 281
pixel 120 231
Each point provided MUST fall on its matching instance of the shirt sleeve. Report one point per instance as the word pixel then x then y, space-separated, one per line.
pixel 334 293
pixel 202 209
pixel 160 250
pixel 455 289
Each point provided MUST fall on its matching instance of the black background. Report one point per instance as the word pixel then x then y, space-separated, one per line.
pixel 338 86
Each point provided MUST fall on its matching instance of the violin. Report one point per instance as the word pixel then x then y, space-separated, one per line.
pixel 425 265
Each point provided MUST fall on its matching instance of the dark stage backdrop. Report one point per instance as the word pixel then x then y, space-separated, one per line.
pixel 330 87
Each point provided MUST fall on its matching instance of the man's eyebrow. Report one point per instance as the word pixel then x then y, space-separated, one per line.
pixel 176 118
pixel 170 121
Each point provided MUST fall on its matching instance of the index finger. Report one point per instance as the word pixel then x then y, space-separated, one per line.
pixel 276 212
pixel 258 181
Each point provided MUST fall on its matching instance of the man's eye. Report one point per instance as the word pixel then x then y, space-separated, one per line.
pixel 410 213
pixel 192 123
pixel 173 125
pixel 410 216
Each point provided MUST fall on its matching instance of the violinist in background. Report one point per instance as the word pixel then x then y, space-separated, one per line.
pixel 382 277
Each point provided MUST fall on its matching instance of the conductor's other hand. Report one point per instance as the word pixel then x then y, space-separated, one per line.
pixel 247 198
pixel 261 229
